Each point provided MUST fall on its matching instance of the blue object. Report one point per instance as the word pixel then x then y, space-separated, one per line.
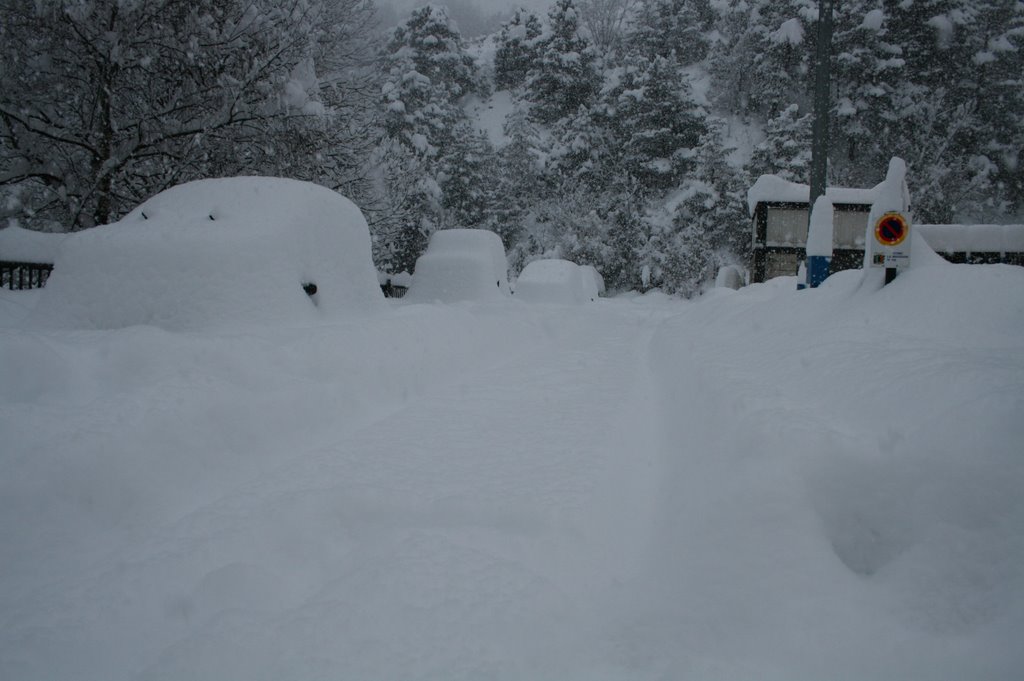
pixel 817 269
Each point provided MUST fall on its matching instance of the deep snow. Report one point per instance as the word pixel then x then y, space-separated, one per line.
pixel 761 483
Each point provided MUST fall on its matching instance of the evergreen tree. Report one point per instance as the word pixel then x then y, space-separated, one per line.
pixel 703 224
pixel 731 235
pixel 784 37
pixel 408 212
pixel 466 180
pixel 869 68
pixel 786 150
pixel 676 29
pixel 565 76
pixel 516 50
pixel 994 78
pixel 655 122
pixel 519 185
pixel 914 82
pixel 732 63
pixel 429 72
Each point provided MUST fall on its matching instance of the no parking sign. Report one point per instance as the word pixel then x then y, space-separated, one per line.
pixel 892 242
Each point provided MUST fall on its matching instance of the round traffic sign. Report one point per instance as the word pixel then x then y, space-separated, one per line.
pixel 891 229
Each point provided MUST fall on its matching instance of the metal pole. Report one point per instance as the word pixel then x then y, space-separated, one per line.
pixel 822 104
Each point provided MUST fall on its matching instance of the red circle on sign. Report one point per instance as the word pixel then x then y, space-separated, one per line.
pixel 891 229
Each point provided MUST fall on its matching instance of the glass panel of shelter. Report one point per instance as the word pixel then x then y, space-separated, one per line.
pixel 788 227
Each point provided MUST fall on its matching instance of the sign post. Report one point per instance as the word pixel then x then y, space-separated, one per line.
pixel 888 238
pixel 891 234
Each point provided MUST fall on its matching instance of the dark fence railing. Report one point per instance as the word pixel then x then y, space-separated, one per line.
pixel 392 291
pixel 20 276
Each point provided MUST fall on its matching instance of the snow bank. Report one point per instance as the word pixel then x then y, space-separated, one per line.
pixel 217 253
pixel 24 245
pixel 758 484
pixel 555 281
pixel 844 494
pixel 461 264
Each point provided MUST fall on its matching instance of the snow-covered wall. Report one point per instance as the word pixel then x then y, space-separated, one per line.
pixel 974 238
pixel 216 252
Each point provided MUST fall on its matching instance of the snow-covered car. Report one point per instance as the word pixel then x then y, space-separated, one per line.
pixel 217 252
pixel 461 264
pixel 595 277
pixel 555 281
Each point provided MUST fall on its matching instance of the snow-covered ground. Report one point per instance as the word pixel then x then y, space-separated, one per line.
pixel 760 484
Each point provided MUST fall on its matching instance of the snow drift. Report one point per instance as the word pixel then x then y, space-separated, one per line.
pixel 760 483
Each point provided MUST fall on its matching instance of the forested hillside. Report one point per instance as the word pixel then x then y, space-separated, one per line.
pixel 633 128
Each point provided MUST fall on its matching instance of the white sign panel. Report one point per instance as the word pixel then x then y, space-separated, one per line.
pixel 892 241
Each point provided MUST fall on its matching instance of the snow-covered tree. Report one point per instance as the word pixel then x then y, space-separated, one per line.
pixel 676 29
pixel 936 83
pixel 429 74
pixel 655 121
pixel 702 224
pixel 520 184
pixel 565 76
pixel 731 235
pixel 106 102
pixel 516 50
pixel 429 71
pixel 466 174
pixel 408 213
pixel 786 150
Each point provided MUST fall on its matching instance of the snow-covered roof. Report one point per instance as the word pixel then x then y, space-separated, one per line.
pixel 25 245
pixel 974 238
pixel 772 188
pixel 216 252
pixel 461 264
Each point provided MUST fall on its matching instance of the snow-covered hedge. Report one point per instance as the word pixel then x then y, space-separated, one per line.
pixel 217 252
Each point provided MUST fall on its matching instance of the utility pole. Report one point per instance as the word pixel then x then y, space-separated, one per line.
pixel 822 104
